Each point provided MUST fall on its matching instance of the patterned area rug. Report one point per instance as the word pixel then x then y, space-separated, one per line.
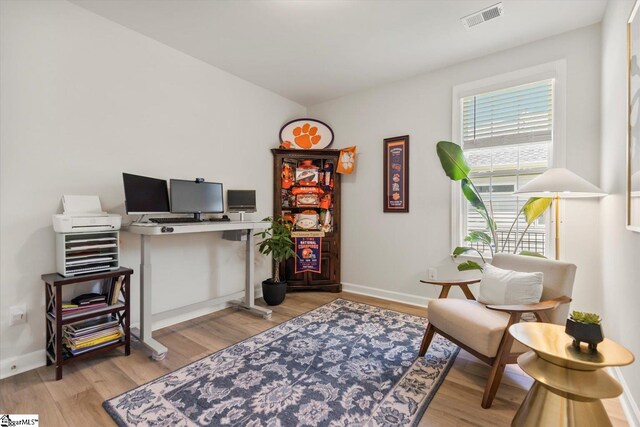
pixel 342 364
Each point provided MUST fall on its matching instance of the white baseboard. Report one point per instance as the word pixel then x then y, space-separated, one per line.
pixel 23 363
pixel 26 362
pixel 629 405
pixel 385 294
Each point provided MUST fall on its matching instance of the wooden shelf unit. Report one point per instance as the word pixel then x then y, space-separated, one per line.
pixel 55 319
pixel 329 278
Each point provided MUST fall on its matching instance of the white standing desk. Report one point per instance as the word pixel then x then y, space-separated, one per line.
pixel 146 232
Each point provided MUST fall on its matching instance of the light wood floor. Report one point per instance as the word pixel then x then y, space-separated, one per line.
pixel 76 400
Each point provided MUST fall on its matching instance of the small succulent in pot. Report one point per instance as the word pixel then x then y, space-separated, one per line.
pixel 584 327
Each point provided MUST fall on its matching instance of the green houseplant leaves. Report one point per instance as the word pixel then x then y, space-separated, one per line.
pixel 276 241
pixel 456 168
pixel 452 160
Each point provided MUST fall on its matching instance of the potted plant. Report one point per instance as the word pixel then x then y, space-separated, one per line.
pixel 584 327
pixel 276 241
pixel 455 166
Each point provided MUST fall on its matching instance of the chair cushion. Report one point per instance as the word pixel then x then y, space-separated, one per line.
pixel 471 323
pixel 500 286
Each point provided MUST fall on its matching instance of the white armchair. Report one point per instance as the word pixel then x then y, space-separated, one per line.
pixel 482 330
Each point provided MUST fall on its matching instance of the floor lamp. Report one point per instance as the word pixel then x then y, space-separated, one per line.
pixel 559 183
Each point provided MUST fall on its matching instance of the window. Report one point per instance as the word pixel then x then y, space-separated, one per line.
pixel 507 136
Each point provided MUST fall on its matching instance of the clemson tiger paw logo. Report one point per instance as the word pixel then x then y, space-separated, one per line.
pixel 305 136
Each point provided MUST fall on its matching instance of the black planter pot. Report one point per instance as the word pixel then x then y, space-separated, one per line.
pixel 584 332
pixel 273 292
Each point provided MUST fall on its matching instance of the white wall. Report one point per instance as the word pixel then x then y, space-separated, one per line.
pixel 391 252
pixel 85 99
pixel 620 247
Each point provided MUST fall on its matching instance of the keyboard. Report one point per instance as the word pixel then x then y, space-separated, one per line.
pixel 186 220
pixel 175 220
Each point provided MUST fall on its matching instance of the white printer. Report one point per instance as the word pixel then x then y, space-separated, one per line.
pixel 84 214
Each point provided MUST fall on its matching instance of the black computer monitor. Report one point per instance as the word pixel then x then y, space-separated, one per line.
pixel 241 200
pixel 196 197
pixel 144 195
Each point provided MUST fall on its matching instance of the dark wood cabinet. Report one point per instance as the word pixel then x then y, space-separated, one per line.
pixel 285 204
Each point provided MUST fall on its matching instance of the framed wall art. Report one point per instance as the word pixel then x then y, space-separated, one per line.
pixel 396 174
pixel 633 137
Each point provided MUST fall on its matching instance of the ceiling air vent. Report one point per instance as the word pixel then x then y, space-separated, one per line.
pixel 483 15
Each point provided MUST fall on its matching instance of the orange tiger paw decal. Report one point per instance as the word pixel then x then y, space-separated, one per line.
pixel 305 136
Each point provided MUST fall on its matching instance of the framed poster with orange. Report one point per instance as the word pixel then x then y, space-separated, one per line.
pixel 396 174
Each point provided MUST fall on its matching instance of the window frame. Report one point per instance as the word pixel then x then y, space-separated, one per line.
pixel 556 70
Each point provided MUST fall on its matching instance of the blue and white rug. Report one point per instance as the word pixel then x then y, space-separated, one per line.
pixel 342 364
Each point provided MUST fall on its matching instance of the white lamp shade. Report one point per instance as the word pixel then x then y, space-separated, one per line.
pixel 561 182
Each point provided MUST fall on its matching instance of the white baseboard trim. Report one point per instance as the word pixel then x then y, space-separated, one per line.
pixel 16 365
pixel 629 405
pixel 385 294
pixel 23 363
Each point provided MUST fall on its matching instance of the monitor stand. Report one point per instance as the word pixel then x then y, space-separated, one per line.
pixel 197 216
pixel 241 216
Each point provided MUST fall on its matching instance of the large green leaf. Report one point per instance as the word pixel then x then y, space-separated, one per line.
pixel 461 249
pixel 469 265
pixel 535 207
pixel 478 236
pixel 452 160
pixel 464 249
pixel 471 195
pixel 476 201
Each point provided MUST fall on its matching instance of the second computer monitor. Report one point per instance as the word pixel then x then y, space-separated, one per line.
pixel 196 197
pixel 241 200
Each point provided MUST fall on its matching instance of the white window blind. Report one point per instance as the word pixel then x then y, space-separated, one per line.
pixel 507 139
pixel 521 114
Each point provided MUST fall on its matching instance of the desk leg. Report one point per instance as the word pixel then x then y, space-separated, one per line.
pixel 249 291
pixel 158 351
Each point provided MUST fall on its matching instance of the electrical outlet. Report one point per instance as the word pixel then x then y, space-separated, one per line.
pixel 433 273
pixel 18 314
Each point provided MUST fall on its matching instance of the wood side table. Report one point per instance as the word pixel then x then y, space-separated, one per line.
pixel 569 383
pixel 447 284
pixel 55 319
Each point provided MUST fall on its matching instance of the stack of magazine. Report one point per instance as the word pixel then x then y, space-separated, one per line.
pixel 81 337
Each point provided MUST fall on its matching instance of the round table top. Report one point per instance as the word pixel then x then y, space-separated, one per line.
pixel 551 343
pixel 450 281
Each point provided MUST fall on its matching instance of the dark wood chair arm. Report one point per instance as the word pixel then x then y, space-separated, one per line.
pixel 532 308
